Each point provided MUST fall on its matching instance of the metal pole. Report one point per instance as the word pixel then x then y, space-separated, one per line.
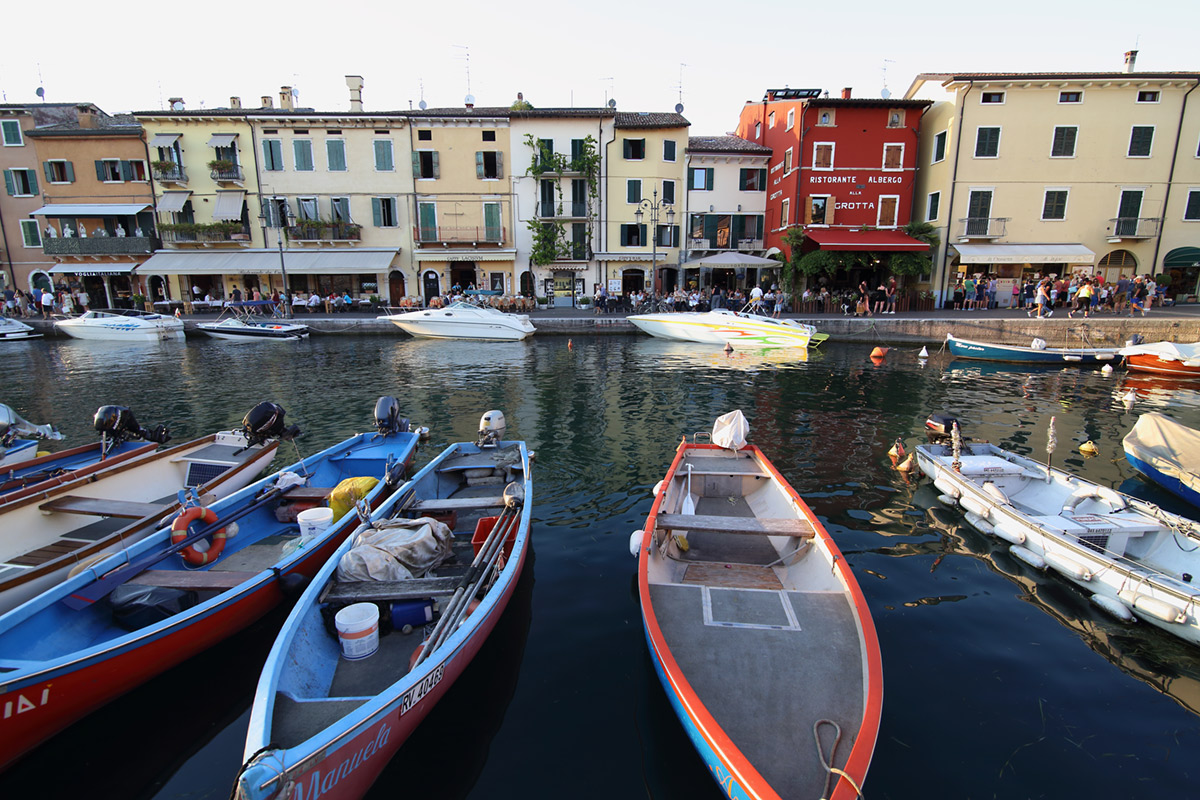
pixel 654 235
pixel 287 289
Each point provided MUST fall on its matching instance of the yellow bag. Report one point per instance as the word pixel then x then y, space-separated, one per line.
pixel 349 492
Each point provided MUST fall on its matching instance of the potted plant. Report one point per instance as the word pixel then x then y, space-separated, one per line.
pixel 221 165
pixel 163 166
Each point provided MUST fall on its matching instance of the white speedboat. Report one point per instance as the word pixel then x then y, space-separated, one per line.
pixel 121 324
pixel 12 331
pixel 1134 559
pixel 235 329
pixel 722 326
pixel 464 321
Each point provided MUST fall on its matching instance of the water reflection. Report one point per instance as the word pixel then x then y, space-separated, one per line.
pixel 668 355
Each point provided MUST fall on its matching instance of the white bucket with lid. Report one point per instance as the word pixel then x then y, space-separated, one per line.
pixel 358 630
pixel 313 522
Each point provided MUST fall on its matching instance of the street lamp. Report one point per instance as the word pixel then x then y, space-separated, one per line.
pixel 654 207
pixel 283 217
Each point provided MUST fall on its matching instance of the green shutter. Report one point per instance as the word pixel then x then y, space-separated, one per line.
pixel 436 172
pixel 674 236
pixel 479 165
pixel 633 191
pixel 70 171
pixel 377 212
pixel 335 153
pixel 708 178
pixel 416 159
pixel 46 169
pixel 642 236
pixel 100 171
pixel 126 171
pixel 8 183
pixel 33 187
pixel 499 164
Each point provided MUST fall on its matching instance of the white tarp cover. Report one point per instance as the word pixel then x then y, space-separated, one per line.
pixel 730 430
pixel 397 550
pixel 1168 351
pixel 1171 448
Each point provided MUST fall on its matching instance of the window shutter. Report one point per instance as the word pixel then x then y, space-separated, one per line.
pixel 70 171
pixel 479 165
pixel 436 171
pixel 674 236
pixel 8 183
pixel 100 171
pixel 126 171
pixel 499 164
pixel 830 205
pixel 416 159
pixel 377 212
pixel 808 210
pixel 46 169
pixel 642 236
pixel 708 178
pixel 626 148
pixel 633 191
pixel 33 187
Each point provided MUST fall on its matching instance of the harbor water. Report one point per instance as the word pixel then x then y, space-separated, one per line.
pixel 1000 681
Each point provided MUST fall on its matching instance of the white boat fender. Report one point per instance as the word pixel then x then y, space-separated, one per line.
pixel 978 523
pixel 1114 606
pixel 635 542
pixel 971 503
pixel 1009 531
pixel 946 487
pixel 1159 609
pixel 994 491
pixel 1068 566
pixel 947 500
pixel 1106 369
pixel 1028 556
pixel 1115 501
pixel 657 488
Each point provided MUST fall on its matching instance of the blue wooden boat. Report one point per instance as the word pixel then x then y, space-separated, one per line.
pixel 989 351
pixel 140 611
pixel 325 726
pixel 1166 453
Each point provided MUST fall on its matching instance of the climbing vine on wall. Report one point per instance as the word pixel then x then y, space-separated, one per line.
pixel 549 235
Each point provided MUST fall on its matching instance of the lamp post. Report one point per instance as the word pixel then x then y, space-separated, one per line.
pixel 654 207
pixel 283 217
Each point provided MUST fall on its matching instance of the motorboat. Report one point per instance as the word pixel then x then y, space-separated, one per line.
pixel 1166 453
pixel 12 330
pixel 461 320
pixel 722 326
pixel 756 626
pixel 54 527
pixel 1038 352
pixel 1135 560
pixel 15 450
pixel 242 325
pixel 1164 358
pixel 193 582
pixel 121 324
pixel 329 712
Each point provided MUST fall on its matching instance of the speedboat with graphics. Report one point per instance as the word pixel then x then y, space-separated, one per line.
pixel 461 320
pixel 722 326
pixel 121 325
pixel 243 325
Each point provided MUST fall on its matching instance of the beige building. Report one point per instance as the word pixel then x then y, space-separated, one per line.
pixel 1059 173
pixel 25 265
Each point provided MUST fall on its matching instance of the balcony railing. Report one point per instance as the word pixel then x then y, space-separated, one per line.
pixel 228 175
pixel 736 244
pixel 337 232
pixel 749 244
pixel 983 227
pixel 576 251
pixel 1133 227
pixel 544 165
pixel 205 237
pixel 444 233
pixel 99 245
pixel 550 208
pixel 172 174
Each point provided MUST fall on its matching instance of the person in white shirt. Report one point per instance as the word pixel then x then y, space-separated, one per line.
pixel 756 296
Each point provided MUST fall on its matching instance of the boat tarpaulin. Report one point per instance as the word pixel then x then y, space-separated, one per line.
pixel 1167 446
pixel 1187 354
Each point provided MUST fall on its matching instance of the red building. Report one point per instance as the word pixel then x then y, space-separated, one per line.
pixel 842 169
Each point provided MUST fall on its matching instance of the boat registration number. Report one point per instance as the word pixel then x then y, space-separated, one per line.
pixel 424 687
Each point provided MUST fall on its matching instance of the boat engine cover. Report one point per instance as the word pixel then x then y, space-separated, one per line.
pixel 942 424
pixel 492 426
pixel 265 421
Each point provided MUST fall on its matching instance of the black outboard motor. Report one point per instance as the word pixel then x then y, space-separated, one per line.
pixel 387 416
pixel 116 424
pixel 265 421
pixel 939 427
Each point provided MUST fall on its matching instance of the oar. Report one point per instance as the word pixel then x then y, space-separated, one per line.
pixel 102 586
pixel 689 502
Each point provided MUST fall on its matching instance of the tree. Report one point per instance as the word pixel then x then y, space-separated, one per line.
pixel 916 263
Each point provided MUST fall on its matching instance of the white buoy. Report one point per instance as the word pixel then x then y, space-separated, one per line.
pixel 1106 369
pixel 635 543
pixel 1114 607
pixel 924 353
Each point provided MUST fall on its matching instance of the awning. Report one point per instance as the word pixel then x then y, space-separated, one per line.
pixel 229 206
pixel 91 209
pixel 731 259
pixel 92 269
pixel 882 241
pixel 266 262
pixel 1024 254
pixel 222 139
pixel 175 201
pixel 566 266
pixel 451 255
pixel 629 257
pixel 1182 257
pixel 164 139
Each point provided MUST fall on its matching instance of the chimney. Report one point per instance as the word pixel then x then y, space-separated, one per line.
pixel 846 93
pixel 176 103
pixel 266 101
pixel 285 99
pixel 86 118
pixel 1130 60
pixel 355 84
pixel 235 102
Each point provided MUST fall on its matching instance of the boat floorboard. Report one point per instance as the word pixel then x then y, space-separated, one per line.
pixel 369 676
pixel 263 554
pixel 733 548
pixel 740 576
pixel 294 722
pixel 49 552
pixel 766 681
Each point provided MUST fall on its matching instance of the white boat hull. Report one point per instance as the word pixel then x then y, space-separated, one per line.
pixel 234 331
pixel 726 327
pixel 464 321
pixel 13 331
pixel 123 329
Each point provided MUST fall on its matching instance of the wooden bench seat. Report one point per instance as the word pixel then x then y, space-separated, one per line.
pixel 701 473
pixel 103 507
pixel 458 504
pixel 218 580
pixel 743 525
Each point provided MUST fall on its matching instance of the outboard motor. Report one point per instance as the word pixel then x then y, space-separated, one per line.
pixel 939 427
pixel 491 428
pixel 116 424
pixel 13 425
pixel 1135 340
pixel 265 421
pixel 387 416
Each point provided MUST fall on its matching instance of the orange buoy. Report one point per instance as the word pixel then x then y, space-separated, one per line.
pixel 569 345
pixel 897 450
pixel 728 347
pixel 880 352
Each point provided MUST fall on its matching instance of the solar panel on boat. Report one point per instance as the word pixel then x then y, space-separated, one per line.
pixel 200 473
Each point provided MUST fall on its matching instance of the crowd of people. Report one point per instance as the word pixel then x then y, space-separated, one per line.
pixel 1088 295
pixel 44 302
pixel 768 302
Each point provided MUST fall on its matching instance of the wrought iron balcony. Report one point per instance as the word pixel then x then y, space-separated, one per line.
pixel 551 209
pixel 228 175
pixel 206 237
pixel 444 234
pixel 99 245
pixel 983 227
pixel 335 232
pixel 172 174
pixel 1133 227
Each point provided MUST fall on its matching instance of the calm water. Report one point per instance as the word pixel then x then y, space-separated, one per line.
pixel 1000 682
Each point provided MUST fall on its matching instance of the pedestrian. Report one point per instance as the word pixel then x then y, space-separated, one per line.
pixel 1083 299
pixel 780 303
pixel 890 297
pixel 1138 300
pixel 1016 294
pixel 969 292
pixel 1043 300
pixel 991 292
pixel 959 294
pixel 47 304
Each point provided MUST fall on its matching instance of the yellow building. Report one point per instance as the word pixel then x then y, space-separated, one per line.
pixel 1056 173
pixel 644 172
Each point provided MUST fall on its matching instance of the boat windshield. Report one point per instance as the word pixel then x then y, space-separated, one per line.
pixel 101 313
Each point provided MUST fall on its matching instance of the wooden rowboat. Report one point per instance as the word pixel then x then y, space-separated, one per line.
pixel 322 725
pixel 1164 358
pixel 990 351
pixel 757 629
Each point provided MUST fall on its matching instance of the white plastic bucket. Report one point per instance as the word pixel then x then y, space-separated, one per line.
pixel 313 522
pixel 358 630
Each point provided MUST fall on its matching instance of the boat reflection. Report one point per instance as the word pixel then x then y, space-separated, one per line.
pixel 670 355
pixel 1159 389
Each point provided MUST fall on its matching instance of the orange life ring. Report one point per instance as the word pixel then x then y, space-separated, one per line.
pixel 179 532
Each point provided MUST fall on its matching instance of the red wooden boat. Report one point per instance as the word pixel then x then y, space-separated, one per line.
pixel 1164 358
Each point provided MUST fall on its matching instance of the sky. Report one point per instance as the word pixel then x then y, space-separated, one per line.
pixel 711 56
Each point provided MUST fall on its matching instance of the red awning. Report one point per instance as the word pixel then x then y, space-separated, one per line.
pixel 890 241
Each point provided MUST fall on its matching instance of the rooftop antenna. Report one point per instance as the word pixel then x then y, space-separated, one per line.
pixel 422 105
pixel 466 56
pixel 885 93
pixel 41 89
pixel 608 92
pixel 679 105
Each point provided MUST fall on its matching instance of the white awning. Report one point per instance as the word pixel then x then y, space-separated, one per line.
pixel 164 139
pixel 1024 254
pixel 457 256
pixel 91 209
pixel 266 262
pixel 92 269
pixel 629 256
pixel 229 206
pixel 222 139
pixel 175 201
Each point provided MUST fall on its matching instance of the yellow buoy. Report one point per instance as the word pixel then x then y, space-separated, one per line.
pixel 906 465
pixel 897 450
pixel 1089 448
